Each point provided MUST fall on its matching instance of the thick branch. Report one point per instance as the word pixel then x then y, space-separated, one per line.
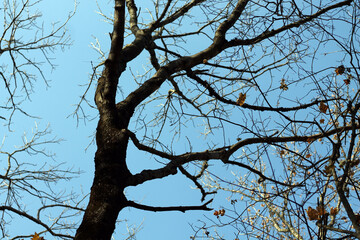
pixel 117 36
pixel 175 208
pixel 183 63
pixel 133 16
pixel 222 153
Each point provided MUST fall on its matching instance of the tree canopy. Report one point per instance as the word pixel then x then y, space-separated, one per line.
pixel 256 100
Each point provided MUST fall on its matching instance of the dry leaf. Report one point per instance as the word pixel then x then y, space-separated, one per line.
pixel 321 210
pixel 308 155
pixel 282 153
pixel 342 163
pixel 315 214
pixel 222 212
pixel 340 70
pixel 283 85
pixel 322 121
pixel 329 168
pixel 37 237
pixel 241 99
pixel 323 107
pixel 347 81
pixel 334 211
pixel 310 140
pixel 312 214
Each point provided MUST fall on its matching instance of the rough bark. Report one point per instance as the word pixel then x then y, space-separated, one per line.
pixel 107 193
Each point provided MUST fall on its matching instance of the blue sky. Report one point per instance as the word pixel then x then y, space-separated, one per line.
pixel 56 104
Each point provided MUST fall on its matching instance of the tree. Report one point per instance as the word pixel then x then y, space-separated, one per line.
pixel 316 159
pixel 242 87
pixel 26 47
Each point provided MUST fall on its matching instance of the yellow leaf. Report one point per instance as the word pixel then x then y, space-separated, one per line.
pixel 241 99
pixel 37 237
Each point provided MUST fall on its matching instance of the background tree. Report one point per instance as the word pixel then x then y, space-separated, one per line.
pixel 26 46
pixel 262 94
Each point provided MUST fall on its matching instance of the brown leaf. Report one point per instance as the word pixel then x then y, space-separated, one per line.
pixel 334 211
pixel 340 70
pixel 310 140
pixel 222 212
pixel 241 99
pixel 312 214
pixel 321 210
pixel 329 168
pixel 322 121
pixel 282 153
pixel 347 81
pixel 323 107
pixel 283 85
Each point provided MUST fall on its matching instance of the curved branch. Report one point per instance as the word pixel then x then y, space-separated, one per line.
pixel 194 180
pixel 214 94
pixel 180 12
pixel 268 34
pixel 35 220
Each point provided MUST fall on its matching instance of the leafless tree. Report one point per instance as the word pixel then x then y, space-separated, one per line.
pixel 264 91
pixel 26 46
pixel 242 86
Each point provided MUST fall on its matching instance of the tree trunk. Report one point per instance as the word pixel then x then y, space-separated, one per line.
pixel 107 192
